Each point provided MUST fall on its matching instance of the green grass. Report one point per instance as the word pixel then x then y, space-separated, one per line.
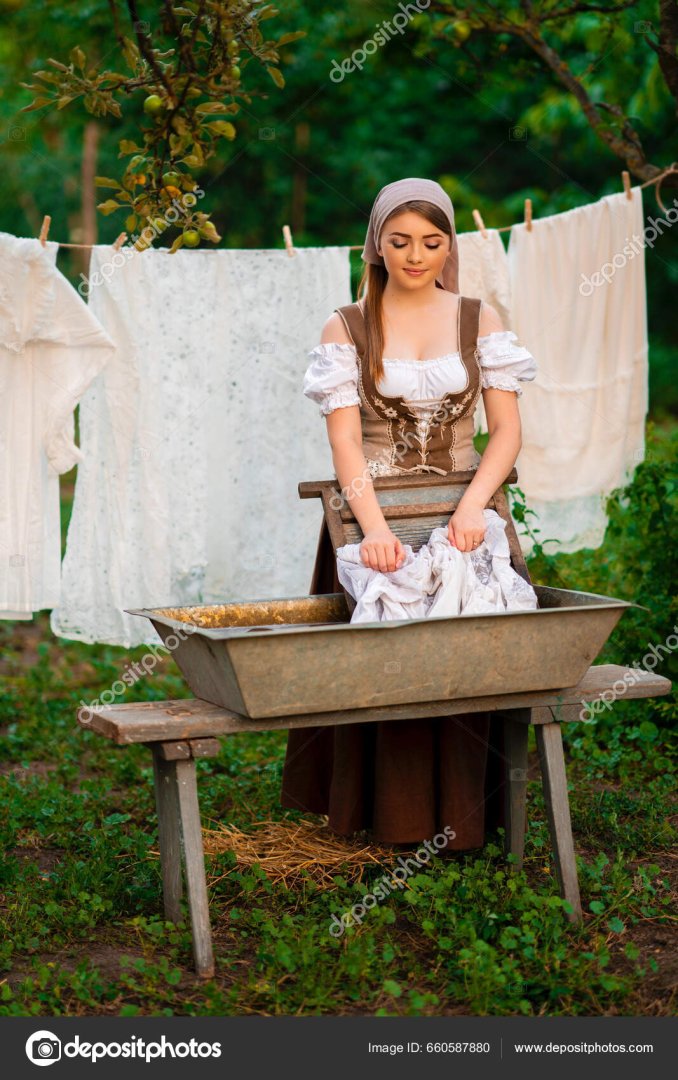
pixel 80 924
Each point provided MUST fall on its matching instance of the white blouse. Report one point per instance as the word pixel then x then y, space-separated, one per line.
pixel 331 379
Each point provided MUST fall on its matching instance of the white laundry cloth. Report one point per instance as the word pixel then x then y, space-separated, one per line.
pixel 262 538
pixel 584 421
pixel 51 347
pixel 438 580
pixel 197 436
pixel 484 272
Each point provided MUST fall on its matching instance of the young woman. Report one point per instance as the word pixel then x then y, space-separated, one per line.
pixel 398 376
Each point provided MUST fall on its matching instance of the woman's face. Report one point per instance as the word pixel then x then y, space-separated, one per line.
pixel 410 242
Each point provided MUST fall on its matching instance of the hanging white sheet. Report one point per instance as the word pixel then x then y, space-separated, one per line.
pixel 484 273
pixel 51 347
pixel 579 304
pixel 198 435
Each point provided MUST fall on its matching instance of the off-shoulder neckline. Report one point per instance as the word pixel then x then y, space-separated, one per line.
pixel 429 360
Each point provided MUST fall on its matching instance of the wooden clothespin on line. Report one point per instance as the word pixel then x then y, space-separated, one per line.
pixel 528 214
pixel 480 224
pixel 287 236
pixel 626 181
pixel 120 241
pixel 46 222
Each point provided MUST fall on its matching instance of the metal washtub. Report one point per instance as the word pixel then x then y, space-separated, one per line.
pixel 300 655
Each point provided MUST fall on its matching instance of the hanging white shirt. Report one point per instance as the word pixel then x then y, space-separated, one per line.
pixel 51 347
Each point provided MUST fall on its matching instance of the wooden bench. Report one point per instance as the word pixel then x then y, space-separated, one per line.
pixel 179 732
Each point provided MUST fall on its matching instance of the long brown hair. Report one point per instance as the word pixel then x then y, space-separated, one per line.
pixel 373 283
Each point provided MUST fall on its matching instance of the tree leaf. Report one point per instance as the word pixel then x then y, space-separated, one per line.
pixel 196 158
pixel 105 181
pixel 178 143
pixel 286 38
pixel 222 127
pixel 180 126
pixel 277 76
pixel 212 107
pixel 109 206
pixel 37 104
pixel 78 57
pixel 128 147
pixel 110 78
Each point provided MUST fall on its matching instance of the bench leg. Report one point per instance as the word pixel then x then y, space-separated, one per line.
pixel 176 793
pixel 516 727
pixel 169 831
pixel 554 780
pixel 194 857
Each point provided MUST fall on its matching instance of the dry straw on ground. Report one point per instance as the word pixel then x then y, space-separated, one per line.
pixel 287 849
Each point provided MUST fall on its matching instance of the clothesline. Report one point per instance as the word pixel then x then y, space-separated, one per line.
pixel 162 461
pixel 287 236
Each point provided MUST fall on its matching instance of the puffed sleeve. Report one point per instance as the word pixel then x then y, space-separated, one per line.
pixel 504 362
pixel 331 378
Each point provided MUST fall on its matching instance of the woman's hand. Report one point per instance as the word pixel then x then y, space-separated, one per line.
pixel 381 550
pixel 466 527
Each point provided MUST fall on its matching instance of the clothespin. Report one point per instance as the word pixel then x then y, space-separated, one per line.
pixel 46 222
pixel 120 241
pixel 287 235
pixel 528 214
pixel 626 180
pixel 480 224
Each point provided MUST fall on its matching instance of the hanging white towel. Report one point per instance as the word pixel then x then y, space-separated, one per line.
pixel 51 347
pixel 262 538
pixel 484 273
pixel 484 270
pixel 197 437
pixel 579 303
pixel 438 580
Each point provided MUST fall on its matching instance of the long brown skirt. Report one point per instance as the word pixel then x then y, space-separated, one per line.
pixel 403 780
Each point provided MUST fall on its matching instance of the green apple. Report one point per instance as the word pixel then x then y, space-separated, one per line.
pixel 154 105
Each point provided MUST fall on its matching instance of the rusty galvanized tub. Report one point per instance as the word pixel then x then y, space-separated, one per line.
pixel 302 655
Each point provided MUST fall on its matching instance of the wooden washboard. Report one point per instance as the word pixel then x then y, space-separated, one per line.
pixel 413 506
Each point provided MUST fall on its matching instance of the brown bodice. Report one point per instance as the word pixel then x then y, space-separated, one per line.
pixel 392 441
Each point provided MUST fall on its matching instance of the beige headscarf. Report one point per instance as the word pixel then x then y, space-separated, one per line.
pixel 401 191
